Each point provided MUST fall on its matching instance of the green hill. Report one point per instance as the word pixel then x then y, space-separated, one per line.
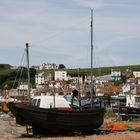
pixel 5 66
pixel 102 70
pixel 8 76
pixel 5 69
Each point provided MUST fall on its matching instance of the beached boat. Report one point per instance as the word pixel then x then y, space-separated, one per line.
pixel 131 109
pixel 57 118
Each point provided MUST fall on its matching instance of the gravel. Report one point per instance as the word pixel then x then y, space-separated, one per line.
pixel 9 130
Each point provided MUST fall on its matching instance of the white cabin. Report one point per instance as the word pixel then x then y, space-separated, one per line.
pixel 133 101
pixel 48 102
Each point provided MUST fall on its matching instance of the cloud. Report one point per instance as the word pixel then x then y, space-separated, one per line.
pixel 59 31
pixel 90 3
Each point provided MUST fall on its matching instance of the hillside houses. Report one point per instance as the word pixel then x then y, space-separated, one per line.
pixel 43 78
pixel 45 66
pixel 48 66
pixel 60 75
pixel 116 74
pixel 104 85
pixel 136 74
pixel 61 81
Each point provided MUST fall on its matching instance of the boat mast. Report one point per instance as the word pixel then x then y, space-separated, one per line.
pixel 91 92
pixel 28 71
pixel 79 96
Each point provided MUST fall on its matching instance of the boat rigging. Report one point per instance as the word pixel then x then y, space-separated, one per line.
pixel 63 118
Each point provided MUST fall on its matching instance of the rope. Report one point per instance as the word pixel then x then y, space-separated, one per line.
pixel 18 69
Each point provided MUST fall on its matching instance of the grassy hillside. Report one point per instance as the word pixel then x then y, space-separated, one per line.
pixel 5 66
pixel 102 70
pixel 5 69
pixel 8 75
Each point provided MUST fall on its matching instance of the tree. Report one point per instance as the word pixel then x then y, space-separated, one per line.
pixel 61 66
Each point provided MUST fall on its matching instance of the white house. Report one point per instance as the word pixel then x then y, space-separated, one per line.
pixel 40 78
pixel 88 78
pixel 126 88
pixel 48 66
pixel 136 74
pixel 60 75
pixel 23 86
pixel 116 74
pixel 99 81
pixel 76 80
pixel 22 89
pixel 133 101
pixel 51 66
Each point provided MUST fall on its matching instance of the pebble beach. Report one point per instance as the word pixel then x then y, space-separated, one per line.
pixel 9 130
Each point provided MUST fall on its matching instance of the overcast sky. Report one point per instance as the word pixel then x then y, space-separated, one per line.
pixel 58 31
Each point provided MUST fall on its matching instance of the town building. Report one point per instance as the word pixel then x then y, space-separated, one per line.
pixel 42 78
pixel 116 74
pixel 126 88
pixel 100 80
pixel 136 74
pixel 60 75
pixel 76 80
pixel 45 66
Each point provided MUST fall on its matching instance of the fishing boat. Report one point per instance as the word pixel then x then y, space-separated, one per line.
pixel 55 117
pixel 131 109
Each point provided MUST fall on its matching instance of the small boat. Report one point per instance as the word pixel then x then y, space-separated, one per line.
pixel 131 109
pixel 54 117
pixel 4 104
pixel 5 108
pixel 117 100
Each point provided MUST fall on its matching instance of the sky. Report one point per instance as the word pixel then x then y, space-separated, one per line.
pixel 58 31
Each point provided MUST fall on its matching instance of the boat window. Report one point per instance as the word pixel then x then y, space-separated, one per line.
pixel 34 102
pixel 137 99
pixel 38 102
